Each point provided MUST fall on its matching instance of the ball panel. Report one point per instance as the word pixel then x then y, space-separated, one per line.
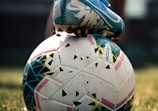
pixel 47 87
pixel 86 52
pixel 125 101
pixel 121 73
pixel 107 72
pixel 128 105
pixel 39 101
pixel 71 92
pixel 98 89
pixel 69 52
pixel 64 74
pixel 132 82
pixel 75 52
pixel 122 95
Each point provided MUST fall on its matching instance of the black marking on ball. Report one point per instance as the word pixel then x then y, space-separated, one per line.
pixel 114 60
pixel 50 74
pixel 92 104
pixel 50 62
pixel 94 95
pixel 67 45
pixel 52 55
pixel 70 71
pixel 96 64
pixel 61 69
pixel 43 58
pixel 58 35
pixel 75 57
pixel 87 57
pixel 81 58
pixel 108 67
pixel 64 93
pixel 77 93
pixel 100 52
pixel 76 103
pixel 38 57
pixel 96 49
pixel 87 82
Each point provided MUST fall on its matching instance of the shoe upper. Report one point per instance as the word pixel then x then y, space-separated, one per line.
pixel 87 16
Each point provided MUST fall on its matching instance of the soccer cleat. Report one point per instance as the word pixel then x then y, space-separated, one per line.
pixel 87 16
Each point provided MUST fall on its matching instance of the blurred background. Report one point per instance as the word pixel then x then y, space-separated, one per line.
pixel 23 24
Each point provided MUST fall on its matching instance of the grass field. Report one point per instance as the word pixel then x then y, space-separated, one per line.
pixel 146 89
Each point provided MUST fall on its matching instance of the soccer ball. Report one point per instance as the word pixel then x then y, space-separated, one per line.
pixel 67 73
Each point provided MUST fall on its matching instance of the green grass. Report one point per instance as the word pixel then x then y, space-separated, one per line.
pixel 146 89
pixel 10 90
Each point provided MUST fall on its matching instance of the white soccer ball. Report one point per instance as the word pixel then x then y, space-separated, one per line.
pixel 78 74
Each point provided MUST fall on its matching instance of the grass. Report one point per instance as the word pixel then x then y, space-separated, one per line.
pixel 10 90
pixel 146 89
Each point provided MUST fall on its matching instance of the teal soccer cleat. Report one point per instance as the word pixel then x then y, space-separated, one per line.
pixel 87 16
